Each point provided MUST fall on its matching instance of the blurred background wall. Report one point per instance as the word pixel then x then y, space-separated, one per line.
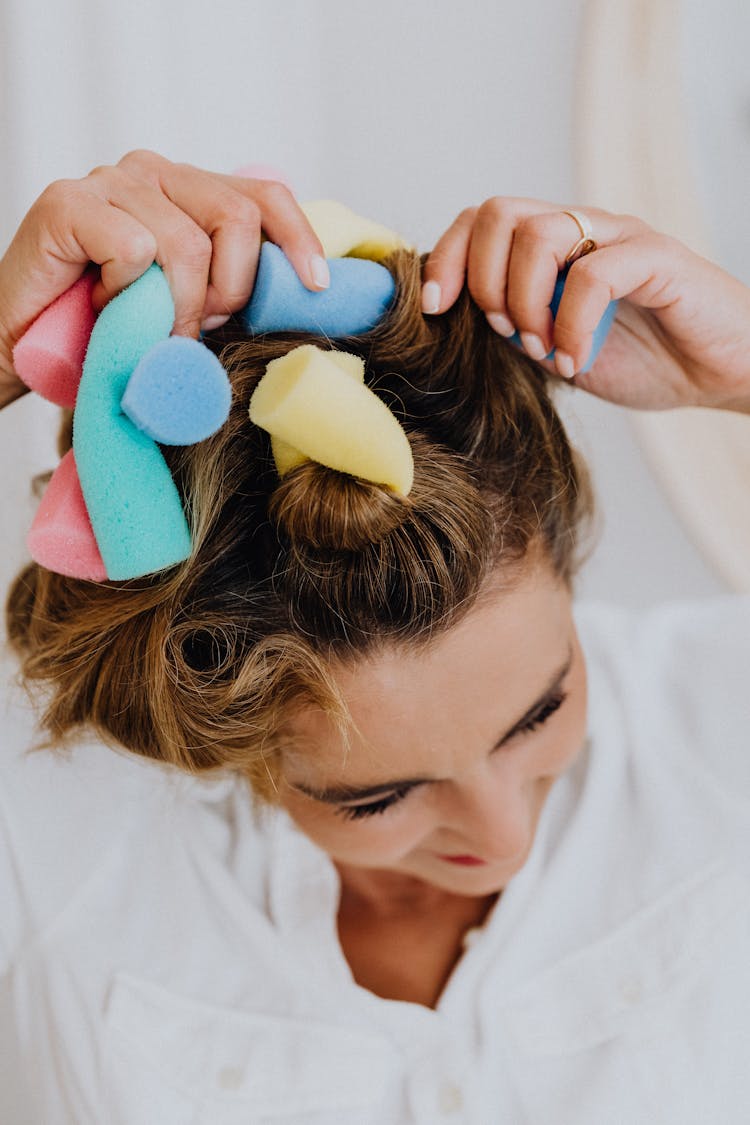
pixel 407 112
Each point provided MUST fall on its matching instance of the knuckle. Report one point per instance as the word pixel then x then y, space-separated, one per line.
pixel 634 223
pixel 137 247
pixel 60 195
pixel 141 160
pixel 494 210
pixel 662 243
pixel 195 246
pixel 240 211
pixel 467 217
pixel 274 194
pixel 533 230
pixel 100 172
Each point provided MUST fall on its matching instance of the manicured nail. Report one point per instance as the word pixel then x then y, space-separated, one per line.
pixel 212 322
pixel 319 271
pixel 564 364
pixel 533 346
pixel 499 323
pixel 431 296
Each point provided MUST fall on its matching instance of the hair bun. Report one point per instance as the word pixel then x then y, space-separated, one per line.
pixel 322 508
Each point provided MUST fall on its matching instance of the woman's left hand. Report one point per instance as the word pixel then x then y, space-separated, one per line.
pixel 681 336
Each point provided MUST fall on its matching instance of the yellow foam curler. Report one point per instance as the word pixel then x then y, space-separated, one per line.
pixel 312 402
pixel 285 455
pixel 346 234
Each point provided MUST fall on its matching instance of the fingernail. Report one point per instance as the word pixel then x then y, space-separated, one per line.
pixel 431 296
pixel 499 323
pixel 564 364
pixel 212 322
pixel 319 271
pixel 533 346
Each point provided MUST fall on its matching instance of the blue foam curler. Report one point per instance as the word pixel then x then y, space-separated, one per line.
pixel 179 393
pixel 358 297
pixel 600 332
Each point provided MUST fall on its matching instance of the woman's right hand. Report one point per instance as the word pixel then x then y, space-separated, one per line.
pixel 204 230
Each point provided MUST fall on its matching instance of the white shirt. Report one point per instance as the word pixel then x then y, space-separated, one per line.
pixel 168 956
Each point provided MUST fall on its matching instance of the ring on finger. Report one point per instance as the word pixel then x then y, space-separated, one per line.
pixel 586 244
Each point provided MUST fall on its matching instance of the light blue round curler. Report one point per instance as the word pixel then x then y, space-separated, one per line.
pixel 179 393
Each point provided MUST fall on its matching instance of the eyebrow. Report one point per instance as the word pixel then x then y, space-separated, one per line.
pixel 335 795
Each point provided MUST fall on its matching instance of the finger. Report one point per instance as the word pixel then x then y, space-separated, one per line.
pixel 489 255
pixel 233 210
pixel 68 227
pixel 286 224
pixel 282 218
pixel 445 268
pixel 184 249
pixel 232 220
pixel 540 246
pixel 645 269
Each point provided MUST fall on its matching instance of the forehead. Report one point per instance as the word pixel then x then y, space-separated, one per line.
pixel 417 710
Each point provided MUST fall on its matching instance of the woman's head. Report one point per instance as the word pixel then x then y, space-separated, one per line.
pixel 452 748
pixel 204 666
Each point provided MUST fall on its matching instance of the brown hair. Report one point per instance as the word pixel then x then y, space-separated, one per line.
pixel 198 666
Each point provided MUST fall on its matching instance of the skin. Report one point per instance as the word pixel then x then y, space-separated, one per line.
pixel 438 713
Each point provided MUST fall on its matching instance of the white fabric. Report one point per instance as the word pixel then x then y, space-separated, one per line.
pixel 168 956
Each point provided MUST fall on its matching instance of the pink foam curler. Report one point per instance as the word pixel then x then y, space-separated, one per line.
pixel 61 537
pixel 49 356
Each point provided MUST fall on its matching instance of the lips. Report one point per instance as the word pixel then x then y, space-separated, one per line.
pixel 464 860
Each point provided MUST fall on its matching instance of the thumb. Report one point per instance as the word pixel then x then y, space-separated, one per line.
pixel 445 269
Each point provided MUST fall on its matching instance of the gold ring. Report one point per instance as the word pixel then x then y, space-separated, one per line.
pixel 586 243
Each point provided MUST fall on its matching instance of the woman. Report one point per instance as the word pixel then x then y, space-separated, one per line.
pixel 460 893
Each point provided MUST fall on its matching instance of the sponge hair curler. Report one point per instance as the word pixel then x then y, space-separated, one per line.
pixel 111 509
pixel 600 332
pixel 49 356
pixel 319 406
pixel 358 297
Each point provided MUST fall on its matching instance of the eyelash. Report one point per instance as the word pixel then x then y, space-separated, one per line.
pixel 357 812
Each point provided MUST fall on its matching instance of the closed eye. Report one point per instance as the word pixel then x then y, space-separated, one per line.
pixel 355 812
pixel 548 708
pixel 372 808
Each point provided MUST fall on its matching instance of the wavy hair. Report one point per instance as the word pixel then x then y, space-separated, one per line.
pixel 199 666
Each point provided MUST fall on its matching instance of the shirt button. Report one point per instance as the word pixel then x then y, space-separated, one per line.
pixel 450 1099
pixel 231 1077
pixel 471 937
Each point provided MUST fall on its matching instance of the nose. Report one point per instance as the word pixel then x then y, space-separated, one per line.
pixel 489 818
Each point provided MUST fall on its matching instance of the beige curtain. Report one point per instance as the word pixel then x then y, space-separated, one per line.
pixel 632 154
